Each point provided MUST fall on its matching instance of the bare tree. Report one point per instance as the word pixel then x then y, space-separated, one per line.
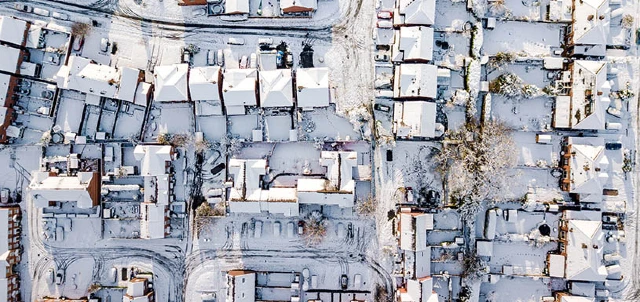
pixel 475 161
pixel 627 21
pixel 80 29
pixel 315 228
pixel 366 206
pixel 498 7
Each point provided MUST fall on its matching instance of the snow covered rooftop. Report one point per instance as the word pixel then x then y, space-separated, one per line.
pixel 588 165
pixel 128 84
pixel 415 12
pixel 591 21
pixel 415 80
pixel 153 158
pixel 12 30
pixel 7 234
pixel 236 7
pixel 584 250
pixel 157 189
pixel 154 220
pixel 239 87
pixel 204 83
pixel 567 298
pixel 414 119
pixel 84 188
pixel 276 88
pixel 586 106
pixel 296 6
pixel 142 94
pixel 416 43
pixel 171 83
pixel 420 290
pixel 10 57
pixel 242 286
pixel 313 87
pixel 82 74
pixel 413 230
pixel 484 248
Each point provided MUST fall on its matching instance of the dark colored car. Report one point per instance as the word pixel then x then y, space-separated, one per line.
pixel 344 281
pixel 613 146
pixel 381 107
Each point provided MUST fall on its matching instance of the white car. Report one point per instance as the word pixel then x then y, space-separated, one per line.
pixel 253 61
pixel 60 16
pixel 198 12
pixel 243 62
pixel 41 12
pixel 220 57
pixel 384 24
pixel 104 44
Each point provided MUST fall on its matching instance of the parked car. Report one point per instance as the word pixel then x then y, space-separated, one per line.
pixel 290 229
pixel 59 278
pixel 257 229
pixel 614 111
pixel 114 275
pixel 235 41
pixel 78 41
pixel 60 16
pixel 300 227
pixel 220 58
pixel 51 275
pixel 211 57
pixel 243 62
pixel 381 107
pixel 23 8
pixel 344 281
pixel 41 12
pixel 384 24
pixel 198 12
pixel 613 145
pixel 385 14
pixel 43 110
pixel 104 44
pixel 186 57
pixel 265 41
pixel 276 229
pixel 381 57
pixel 253 61
pixel 409 194
pixel 609 219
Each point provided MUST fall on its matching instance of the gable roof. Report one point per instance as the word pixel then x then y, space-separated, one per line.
pixel 589 76
pixel 276 88
pixel 584 250
pixel 46 187
pixel 293 6
pixel 415 80
pixel 417 12
pixel 589 171
pixel 591 22
pixel 414 119
pixel 153 158
pixel 416 43
pixel 171 83
pixel 239 87
pixel 204 83
pixel 10 57
pixel 312 85
pixel 12 30
pixel 236 7
pixel 128 84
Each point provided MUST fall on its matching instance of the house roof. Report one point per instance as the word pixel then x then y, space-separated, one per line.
pixel 46 187
pixel 415 80
pixel 239 87
pixel 312 87
pixel 584 250
pixel 4 229
pixel 82 74
pixel 236 7
pixel 556 265
pixel 243 286
pixel 171 83
pixel 589 76
pixel 276 88
pixel 484 248
pixel 591 22
pixel 10 57
pixel 416 43
pixel 292 6
pixel 415 119
pixel 417 12
pixel 142 94
pixel 413 227
pixel 204 83
pixel 12 30
pixel 128 84
pixel 589 165
pixel 152 224
pixel 420 290
pixel 576 299
pixel 153 158
pixel 136 287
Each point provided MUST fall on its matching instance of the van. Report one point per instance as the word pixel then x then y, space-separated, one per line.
pixel 253 61
pixel 113 275
pixel 243 62
pixel 41 12
pixel 257 229
pixel 290 229
pixel 211 57
pixel 235 41
pixel 543 138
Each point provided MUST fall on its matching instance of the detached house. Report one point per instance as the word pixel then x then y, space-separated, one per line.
pixel 590 28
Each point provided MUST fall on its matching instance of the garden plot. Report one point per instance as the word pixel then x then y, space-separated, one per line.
pixel 526 289
pixel 529 39
pixel 451 16
pixel 523 115
pixel 295 158
pixel 450 49
pixel 171 118
pixel 243 125
pixel 214 128
pixel 532 154
pixel 525 10
pixel 523 258
pixel 129 121
pixel 277 128
pixel 326 125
